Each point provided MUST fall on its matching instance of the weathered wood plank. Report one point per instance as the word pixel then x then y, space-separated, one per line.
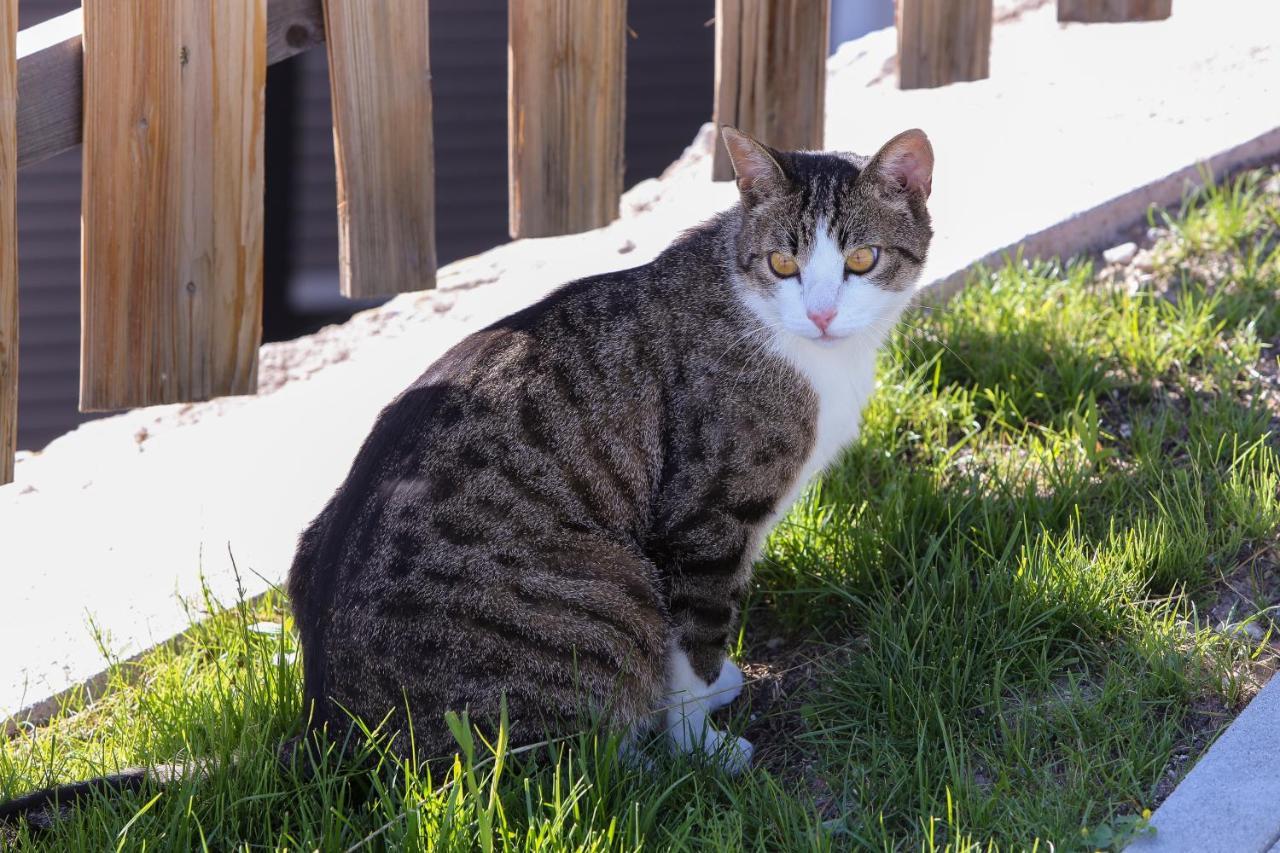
pixel 1113 11
pixel 943 41
pixel 172 216
pixel 771 73
pixel 8 238
pixel 51 76
pixel 566 93
pixel 380 79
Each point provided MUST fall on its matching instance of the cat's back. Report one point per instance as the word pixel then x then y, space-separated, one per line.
pixel 529 448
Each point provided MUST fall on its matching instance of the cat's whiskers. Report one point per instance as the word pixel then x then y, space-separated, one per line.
pixel 904 333
pixel 931 307
pixel 746 338
pixel 762 344
pixel 933 339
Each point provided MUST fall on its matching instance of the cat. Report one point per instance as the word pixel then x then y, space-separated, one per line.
pixel 564 510
pixel 559 518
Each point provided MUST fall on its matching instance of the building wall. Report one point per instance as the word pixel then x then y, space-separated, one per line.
pixel 48 281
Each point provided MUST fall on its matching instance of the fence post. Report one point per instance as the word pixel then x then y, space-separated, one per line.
pixel 380 79
pixel 1113 11
pixel 771 73
pixel 943 41
pixel 8 237
pixel 566 90
pixel 172 202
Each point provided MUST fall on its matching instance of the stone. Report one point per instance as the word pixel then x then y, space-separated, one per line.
pixel 1121 254
pixel 1252 630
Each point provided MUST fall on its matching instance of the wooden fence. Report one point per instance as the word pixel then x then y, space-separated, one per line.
pixel 168 102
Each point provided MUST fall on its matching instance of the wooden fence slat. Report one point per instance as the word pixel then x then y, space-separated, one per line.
pixel 51 73
pixel 943 41
pixel 1113 11
pixel 566 94
pixel 771 73
pixel 380 79
pixel 8 237
pixel 171 300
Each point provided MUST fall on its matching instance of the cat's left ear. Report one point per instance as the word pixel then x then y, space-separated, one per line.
pixel 754 165
pixel 906 161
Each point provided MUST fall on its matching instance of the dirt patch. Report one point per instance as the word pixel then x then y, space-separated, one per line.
pixel 781 677
pixel 1206 717
pixel 1246 608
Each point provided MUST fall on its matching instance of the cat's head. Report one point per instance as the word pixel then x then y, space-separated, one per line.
pixel 831 244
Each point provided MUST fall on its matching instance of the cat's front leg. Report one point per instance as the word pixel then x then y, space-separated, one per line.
pixel 705 616
pixel 727 685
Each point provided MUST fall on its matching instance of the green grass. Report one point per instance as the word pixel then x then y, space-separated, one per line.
pixel 987 628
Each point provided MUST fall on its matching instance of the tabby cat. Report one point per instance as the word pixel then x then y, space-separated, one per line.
pixel 562 513
pixel 565 508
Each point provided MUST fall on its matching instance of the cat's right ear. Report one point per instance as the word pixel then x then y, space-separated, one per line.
pixel 754 165
pixel 906 162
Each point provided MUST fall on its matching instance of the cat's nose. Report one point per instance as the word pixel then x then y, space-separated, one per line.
pixel 822 318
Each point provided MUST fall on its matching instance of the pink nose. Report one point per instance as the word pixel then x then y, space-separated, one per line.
pixel 822 318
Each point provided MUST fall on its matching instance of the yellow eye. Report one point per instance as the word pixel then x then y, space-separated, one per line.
pixel 862 260
pixel 783 265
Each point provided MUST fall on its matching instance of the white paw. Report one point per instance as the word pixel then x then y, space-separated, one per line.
pixel 692 733
pixel 726 687
pixel 689 700
pixel 734 753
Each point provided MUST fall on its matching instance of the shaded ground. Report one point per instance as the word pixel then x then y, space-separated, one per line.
pixel 1013 614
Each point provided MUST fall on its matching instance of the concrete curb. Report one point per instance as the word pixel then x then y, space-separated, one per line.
pixel 43 710
pixel 1100 226
pixel 1230 801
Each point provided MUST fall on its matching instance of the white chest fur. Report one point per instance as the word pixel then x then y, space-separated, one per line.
pixel 842 381
pixel 842 377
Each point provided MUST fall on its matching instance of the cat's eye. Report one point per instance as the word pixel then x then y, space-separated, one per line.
pixel 862 260
pixel 783 265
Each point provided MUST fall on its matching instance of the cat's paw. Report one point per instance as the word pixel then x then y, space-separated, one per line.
pixel 733 754
pixel 690 734
pixel 726 687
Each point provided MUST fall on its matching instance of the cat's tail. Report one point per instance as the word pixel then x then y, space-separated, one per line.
pixel 42 808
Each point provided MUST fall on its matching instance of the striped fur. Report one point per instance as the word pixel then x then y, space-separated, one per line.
pixel 562 512
pixel 570 493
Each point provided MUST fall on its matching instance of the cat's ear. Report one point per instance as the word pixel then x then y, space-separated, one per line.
pixel 906 161
pixel 754 164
